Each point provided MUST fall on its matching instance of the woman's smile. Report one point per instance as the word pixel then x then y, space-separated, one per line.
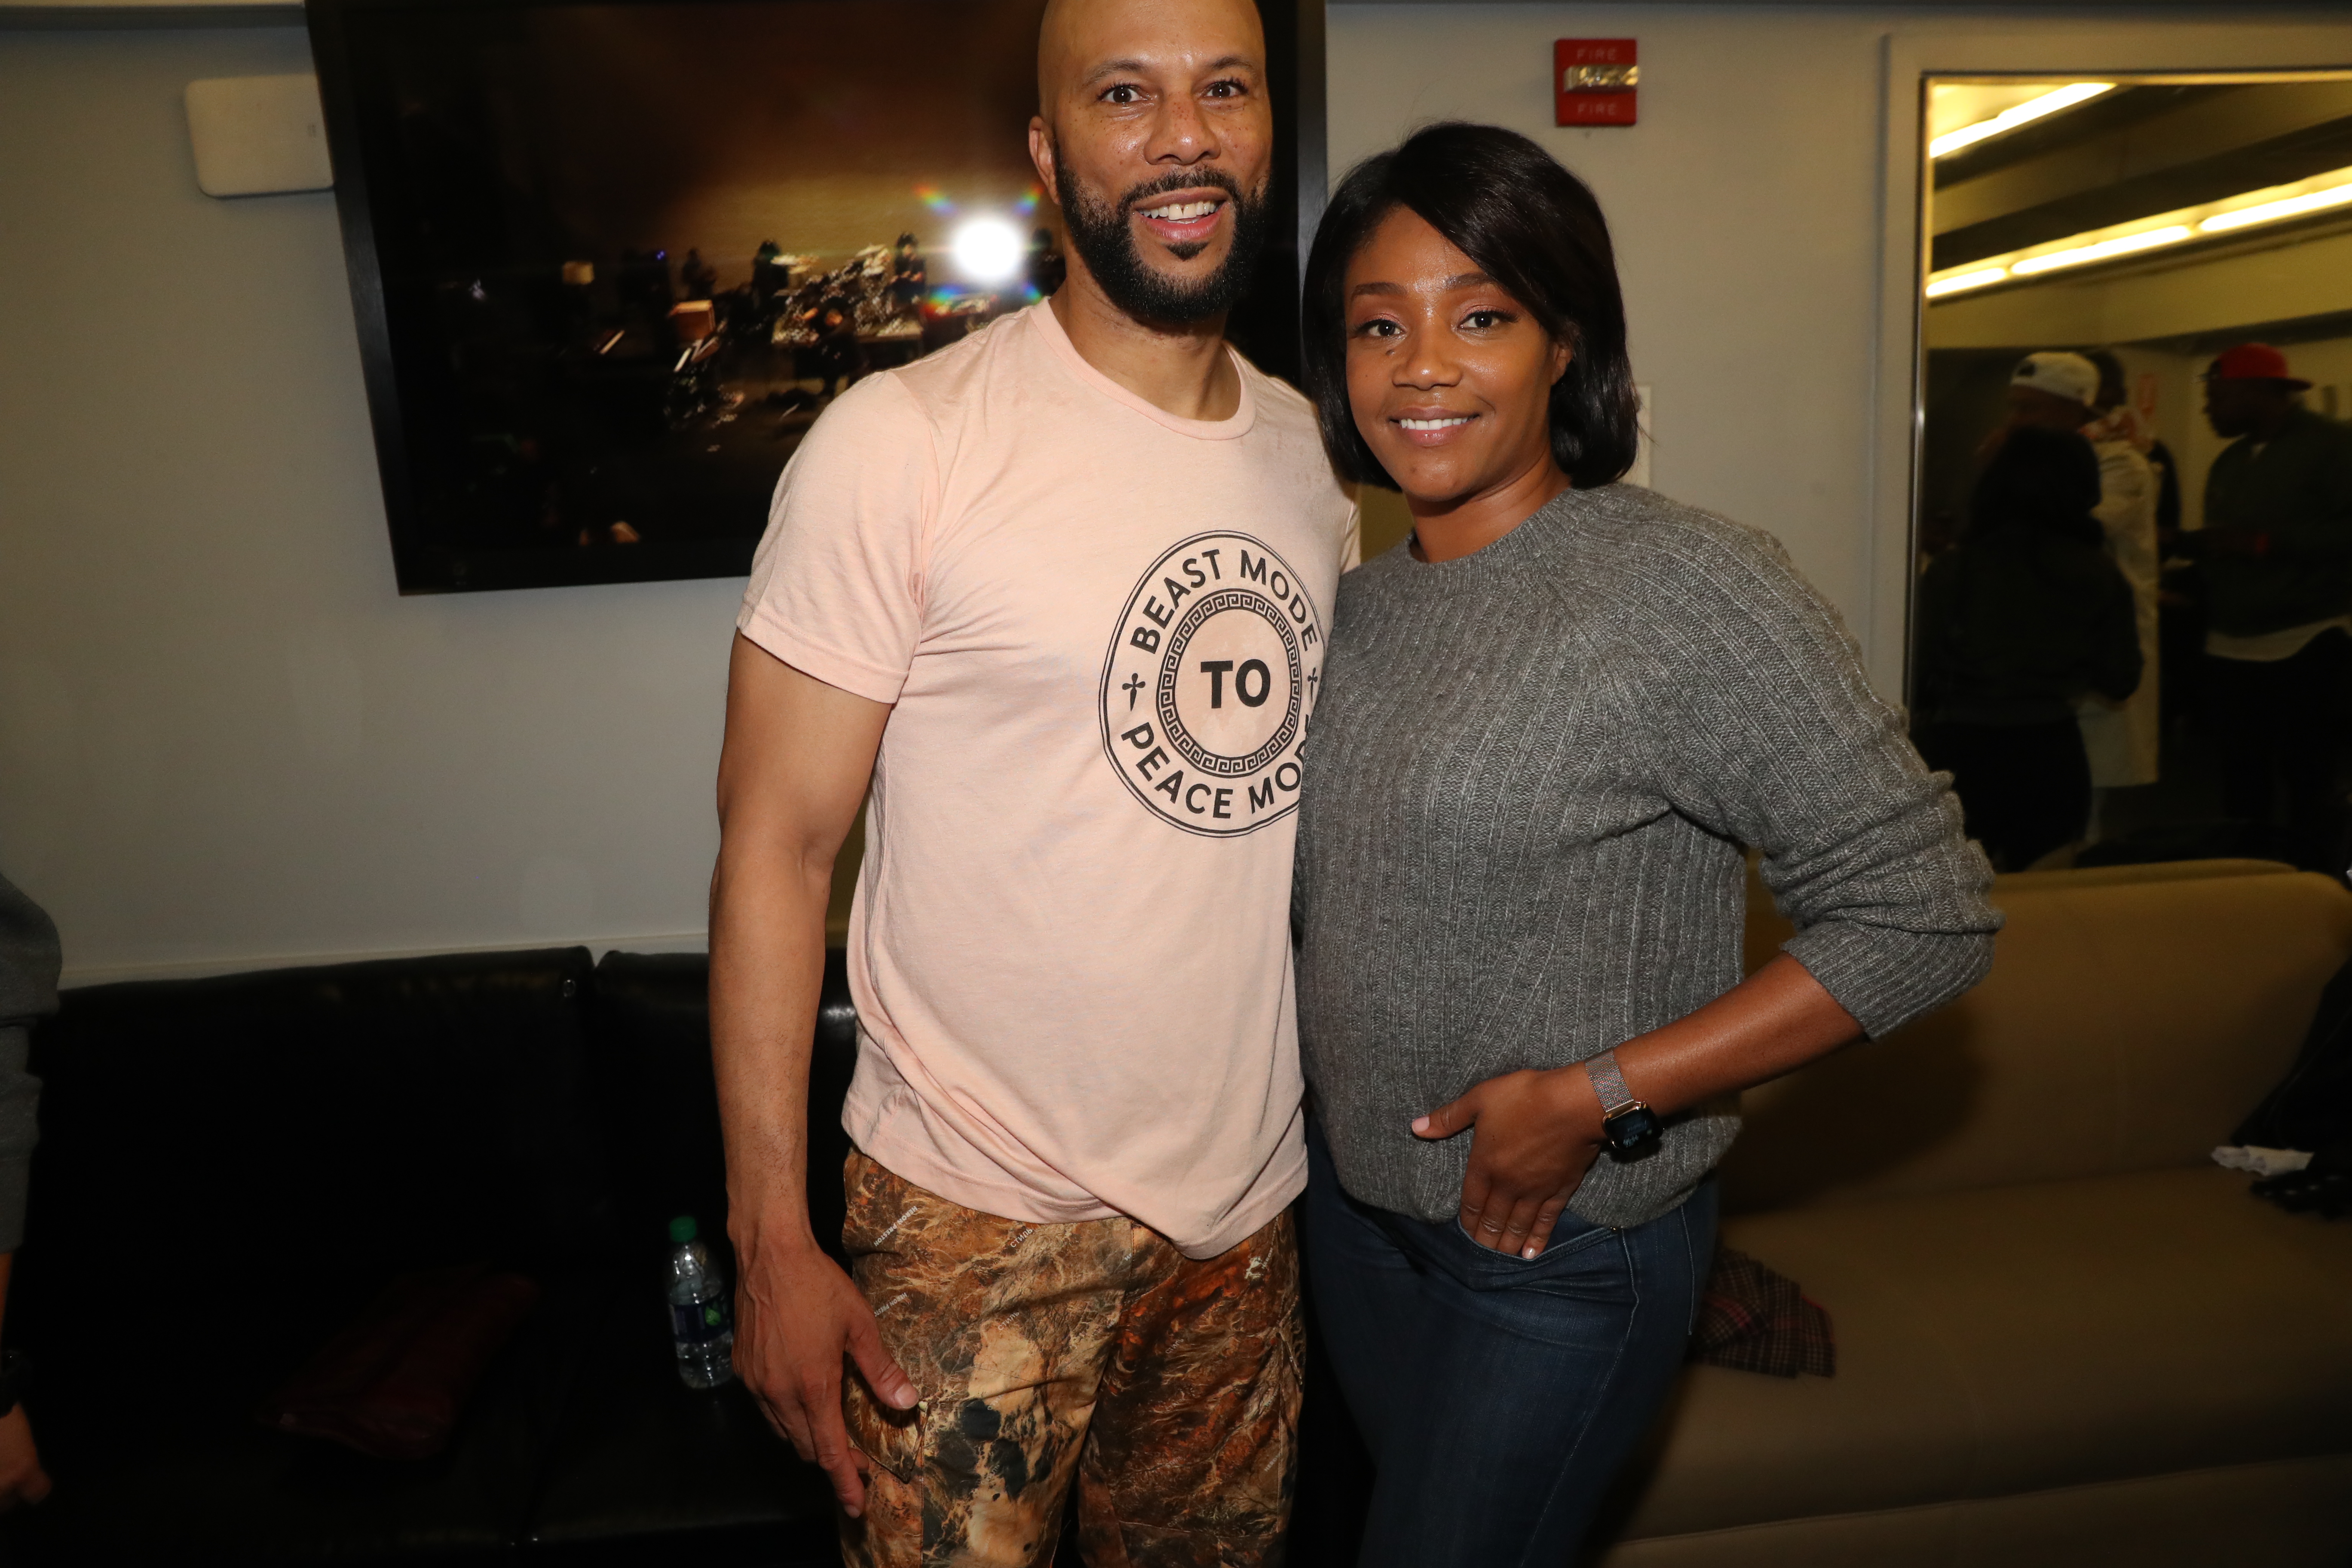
pixel 1431 428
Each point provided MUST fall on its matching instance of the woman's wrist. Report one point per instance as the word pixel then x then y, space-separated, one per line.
pixel 1577 1104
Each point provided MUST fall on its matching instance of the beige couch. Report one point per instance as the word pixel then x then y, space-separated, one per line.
pixel 2064 1337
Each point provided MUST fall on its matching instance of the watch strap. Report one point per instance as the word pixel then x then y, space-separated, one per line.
pixel 1609 1083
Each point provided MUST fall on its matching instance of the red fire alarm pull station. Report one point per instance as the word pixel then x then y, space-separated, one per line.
pixel 1593 80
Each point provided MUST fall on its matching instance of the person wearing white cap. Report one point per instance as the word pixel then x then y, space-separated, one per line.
pixel 2069 380
pixel 2059 391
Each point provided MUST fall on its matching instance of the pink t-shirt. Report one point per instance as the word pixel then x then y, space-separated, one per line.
pixel 1102 627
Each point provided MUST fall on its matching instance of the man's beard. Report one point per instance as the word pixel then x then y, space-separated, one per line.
pixel 1101 234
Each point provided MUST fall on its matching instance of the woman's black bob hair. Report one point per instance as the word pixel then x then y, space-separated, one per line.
pixel 1530 225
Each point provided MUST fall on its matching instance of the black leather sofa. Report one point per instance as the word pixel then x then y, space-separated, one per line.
pixel 230 1168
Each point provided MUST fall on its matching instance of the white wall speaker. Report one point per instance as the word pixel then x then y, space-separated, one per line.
pixel 258 135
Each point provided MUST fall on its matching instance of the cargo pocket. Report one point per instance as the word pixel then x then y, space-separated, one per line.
pixel 891 1438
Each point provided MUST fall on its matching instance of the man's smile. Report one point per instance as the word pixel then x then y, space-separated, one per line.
pixel 1189 218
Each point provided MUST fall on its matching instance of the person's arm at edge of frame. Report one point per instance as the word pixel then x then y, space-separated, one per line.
pixel 22 1479
pixel 793 771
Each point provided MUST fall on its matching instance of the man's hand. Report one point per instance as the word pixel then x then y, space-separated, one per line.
pixel 796 1316
pixel 22 1479
pixel 1535 1135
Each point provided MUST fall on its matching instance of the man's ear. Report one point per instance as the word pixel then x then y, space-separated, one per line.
pixel 1042 154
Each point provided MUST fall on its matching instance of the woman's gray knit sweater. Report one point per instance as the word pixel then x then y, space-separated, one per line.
pixel 1533 771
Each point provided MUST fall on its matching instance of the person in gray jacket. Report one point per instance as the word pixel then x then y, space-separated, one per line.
pixel 1550 721
pixel 29 960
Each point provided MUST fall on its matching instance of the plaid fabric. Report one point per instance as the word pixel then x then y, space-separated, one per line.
pixel 1753 1320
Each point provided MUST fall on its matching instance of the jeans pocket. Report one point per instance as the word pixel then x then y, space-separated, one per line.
pixel 1569 1237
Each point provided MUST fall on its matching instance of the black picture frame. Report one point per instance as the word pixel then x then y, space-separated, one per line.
pixel 401 392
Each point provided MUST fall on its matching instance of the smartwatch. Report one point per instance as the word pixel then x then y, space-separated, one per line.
pixel 1629 1127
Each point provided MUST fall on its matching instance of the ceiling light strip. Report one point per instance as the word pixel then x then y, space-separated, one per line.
pixel 2081 255
pixel 2247 209
pixel 2010 119
pixel 1959 282
pixel 2272 212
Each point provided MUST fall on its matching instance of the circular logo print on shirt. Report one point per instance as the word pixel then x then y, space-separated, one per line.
pixel 1208 683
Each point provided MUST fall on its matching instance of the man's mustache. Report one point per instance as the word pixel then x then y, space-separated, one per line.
pixel 1180 180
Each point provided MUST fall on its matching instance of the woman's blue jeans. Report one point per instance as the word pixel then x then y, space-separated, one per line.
pixel 1497 1396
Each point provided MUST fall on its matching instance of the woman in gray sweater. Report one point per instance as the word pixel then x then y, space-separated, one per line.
pixel 1552 721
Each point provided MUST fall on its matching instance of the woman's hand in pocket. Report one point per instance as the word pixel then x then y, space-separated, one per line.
pixel 1533 1136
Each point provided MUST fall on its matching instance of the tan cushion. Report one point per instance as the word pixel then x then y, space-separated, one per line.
pixel 2156 871
pixel 1767 929
pixel 2288 1514
pixel 2125 1025
pixel 2021 1339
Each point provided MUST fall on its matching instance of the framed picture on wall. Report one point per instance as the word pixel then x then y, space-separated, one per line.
pixel 610 260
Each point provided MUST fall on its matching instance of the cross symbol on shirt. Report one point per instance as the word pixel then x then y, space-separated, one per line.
pixel 1134 685
pixel 1313 676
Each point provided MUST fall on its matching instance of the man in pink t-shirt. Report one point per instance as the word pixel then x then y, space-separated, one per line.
pixel 1051 604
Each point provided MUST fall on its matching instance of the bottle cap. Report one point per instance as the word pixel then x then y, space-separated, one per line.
pixel 681 1230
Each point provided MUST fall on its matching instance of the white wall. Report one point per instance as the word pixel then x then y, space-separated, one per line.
pixel 1747 209
pixel 224 739
pixel 1743 211
pixel 2327 365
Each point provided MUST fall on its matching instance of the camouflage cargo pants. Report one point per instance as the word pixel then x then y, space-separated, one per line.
pixel 1167 1388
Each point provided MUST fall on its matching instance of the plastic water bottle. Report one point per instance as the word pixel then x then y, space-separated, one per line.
pixel 701 1312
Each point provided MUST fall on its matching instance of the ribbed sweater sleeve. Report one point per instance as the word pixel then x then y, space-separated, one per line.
pixel 1764 728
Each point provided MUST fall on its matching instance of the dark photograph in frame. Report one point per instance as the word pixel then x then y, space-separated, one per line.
pixel 611 260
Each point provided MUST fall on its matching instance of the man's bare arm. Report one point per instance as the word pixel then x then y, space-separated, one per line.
pixel 794 770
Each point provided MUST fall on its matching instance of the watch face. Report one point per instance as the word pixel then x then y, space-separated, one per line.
pixel 1634 1128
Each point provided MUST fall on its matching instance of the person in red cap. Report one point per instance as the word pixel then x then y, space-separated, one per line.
pixel 2277 551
